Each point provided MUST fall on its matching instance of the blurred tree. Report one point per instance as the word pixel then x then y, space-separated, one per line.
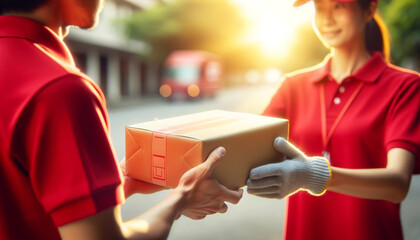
pixel 403 20
pixel 211 25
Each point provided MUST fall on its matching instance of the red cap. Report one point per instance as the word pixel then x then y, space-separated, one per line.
pixel 301 2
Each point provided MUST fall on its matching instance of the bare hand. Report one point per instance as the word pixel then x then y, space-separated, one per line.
pixel 203 194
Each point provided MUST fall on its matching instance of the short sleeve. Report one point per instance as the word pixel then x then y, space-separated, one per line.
pixel 403 120
pixel 278 103
pixel 63 143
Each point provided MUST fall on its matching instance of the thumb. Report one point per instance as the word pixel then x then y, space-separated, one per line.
pixel 288 149
pixel 214 158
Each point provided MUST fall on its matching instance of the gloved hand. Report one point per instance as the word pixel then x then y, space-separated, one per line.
pixel 297 172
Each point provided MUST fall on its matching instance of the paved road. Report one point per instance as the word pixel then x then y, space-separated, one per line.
pixel 252 218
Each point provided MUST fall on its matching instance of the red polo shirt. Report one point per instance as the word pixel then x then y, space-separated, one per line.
pixel 384 114
pixel 57 164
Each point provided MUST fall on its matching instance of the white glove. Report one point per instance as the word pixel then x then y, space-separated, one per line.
pixel 297 172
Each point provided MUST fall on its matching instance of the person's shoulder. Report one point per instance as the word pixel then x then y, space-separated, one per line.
pixel 304 74
pixel 71 89
pixel 397 73
pixel 399 80
pixel 21 49
pixel 74 85
pixel 20 56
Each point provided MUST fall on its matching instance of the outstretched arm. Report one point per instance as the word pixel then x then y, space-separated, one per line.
pixel 197 195
pixel 313 174
pixel 391 183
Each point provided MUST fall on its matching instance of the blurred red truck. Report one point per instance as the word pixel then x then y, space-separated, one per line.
pixel 191 74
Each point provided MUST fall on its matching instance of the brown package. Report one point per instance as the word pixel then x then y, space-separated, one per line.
pixel 161 151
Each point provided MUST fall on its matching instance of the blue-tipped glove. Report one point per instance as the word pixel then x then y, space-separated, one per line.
pixel 297 172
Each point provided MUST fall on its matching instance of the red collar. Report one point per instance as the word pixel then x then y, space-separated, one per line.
pixel 368 73
pixel 20 27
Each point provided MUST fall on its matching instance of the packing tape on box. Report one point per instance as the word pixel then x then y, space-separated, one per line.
pixel 196 125
pixel 159 150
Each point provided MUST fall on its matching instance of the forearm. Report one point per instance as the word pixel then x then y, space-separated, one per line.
pixel 155 223
pixel 197 195
pixel 384 184
pixel 391 183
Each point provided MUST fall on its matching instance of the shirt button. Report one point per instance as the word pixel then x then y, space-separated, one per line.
pixel 337 100
pixel 342 89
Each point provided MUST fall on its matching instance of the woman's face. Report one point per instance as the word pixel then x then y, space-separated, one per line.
pixel 339 24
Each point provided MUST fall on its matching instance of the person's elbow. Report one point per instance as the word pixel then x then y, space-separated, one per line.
pixel 400 189
pixel 400 169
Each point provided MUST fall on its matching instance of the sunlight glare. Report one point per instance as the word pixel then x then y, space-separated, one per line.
pixel 274 37
pixel 273 23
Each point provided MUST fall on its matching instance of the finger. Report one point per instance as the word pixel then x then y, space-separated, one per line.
pixel 288 149
pixel 216 206
pixel 202 211
pixel 214 158
pixel 224 208
pixel 196 217
pixel 268 170
pixel 266 190
pixel 230 195
pixel 263 182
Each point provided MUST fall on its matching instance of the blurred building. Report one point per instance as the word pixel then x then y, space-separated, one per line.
pixel 112 60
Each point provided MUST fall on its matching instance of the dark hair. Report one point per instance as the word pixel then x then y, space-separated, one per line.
pixel 19 5
pixel 377 36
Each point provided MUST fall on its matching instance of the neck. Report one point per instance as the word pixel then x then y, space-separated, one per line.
pixel 345 62
pixel 48 16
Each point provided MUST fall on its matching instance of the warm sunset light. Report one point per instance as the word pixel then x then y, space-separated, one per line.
pixel 273 36
pixel 273 23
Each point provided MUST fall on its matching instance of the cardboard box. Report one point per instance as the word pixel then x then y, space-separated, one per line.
pixel 161 151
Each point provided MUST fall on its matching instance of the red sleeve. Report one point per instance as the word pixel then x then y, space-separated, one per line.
pixel 403 121
pixel 278 103
pixel 67 152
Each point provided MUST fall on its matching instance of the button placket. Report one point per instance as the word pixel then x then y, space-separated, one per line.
pixel 331 118
pixel 340 92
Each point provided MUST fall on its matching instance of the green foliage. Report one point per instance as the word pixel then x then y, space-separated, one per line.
pixel 403 20
pixel 212 25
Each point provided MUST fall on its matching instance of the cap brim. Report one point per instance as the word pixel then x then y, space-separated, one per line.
pixel 300 2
